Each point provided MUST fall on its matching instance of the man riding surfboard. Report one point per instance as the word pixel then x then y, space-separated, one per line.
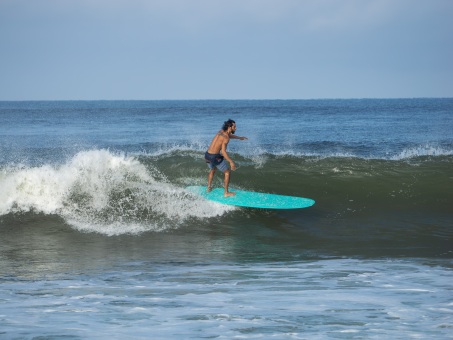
pixel 217 154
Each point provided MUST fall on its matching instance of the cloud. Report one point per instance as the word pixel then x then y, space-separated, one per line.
pixel 311 16
pixel 204 17
pixel 348 14
pixel 202 14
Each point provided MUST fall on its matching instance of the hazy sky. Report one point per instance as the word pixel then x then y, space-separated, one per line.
pixel 232 49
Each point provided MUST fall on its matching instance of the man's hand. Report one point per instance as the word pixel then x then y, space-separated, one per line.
pixel 232 166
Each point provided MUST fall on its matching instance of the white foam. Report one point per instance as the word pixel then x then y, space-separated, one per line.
pixel 102 192
pixel 259 156
pixel 421 151
pixel 405 154
pixel 168 149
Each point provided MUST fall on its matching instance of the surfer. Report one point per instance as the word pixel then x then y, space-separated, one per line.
pixel 216 155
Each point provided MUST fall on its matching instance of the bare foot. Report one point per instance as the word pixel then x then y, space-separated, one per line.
pixel 229 194
pixel 208 189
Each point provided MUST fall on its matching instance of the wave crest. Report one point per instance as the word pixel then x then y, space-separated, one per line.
pixel 422 151
pixel 322 150
pixel 102 192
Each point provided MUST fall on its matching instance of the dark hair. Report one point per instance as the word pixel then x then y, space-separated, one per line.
pixel 229 123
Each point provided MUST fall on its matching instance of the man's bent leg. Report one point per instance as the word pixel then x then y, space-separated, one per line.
pixel 227 183
pixel 210 177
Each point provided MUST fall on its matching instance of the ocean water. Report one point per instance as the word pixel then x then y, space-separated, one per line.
pixel 100 239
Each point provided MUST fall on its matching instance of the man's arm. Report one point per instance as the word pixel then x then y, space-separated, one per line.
pixel 237 137
pixel 225 154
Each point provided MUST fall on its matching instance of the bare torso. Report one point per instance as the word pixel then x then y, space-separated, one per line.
pixel 220 139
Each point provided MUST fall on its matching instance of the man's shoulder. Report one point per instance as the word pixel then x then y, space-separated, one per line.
pixel 223 136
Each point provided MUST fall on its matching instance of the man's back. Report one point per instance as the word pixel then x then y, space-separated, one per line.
pixel 216 145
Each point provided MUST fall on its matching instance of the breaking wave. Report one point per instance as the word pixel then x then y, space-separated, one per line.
pixel 99 191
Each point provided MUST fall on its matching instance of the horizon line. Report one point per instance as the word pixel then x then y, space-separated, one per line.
pixel 221 99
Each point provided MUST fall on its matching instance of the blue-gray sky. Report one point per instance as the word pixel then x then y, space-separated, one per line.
pixel 235 49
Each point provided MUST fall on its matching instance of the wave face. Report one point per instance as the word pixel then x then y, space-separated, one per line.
pixel 420 182
pixel 110 193
pixel 103 192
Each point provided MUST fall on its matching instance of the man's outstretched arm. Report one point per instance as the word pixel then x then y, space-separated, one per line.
pixel 237 137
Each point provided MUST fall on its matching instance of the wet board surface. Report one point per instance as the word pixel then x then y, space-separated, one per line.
pixel 252 199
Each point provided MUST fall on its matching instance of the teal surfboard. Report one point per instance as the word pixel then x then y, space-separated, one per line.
pixel 252 199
